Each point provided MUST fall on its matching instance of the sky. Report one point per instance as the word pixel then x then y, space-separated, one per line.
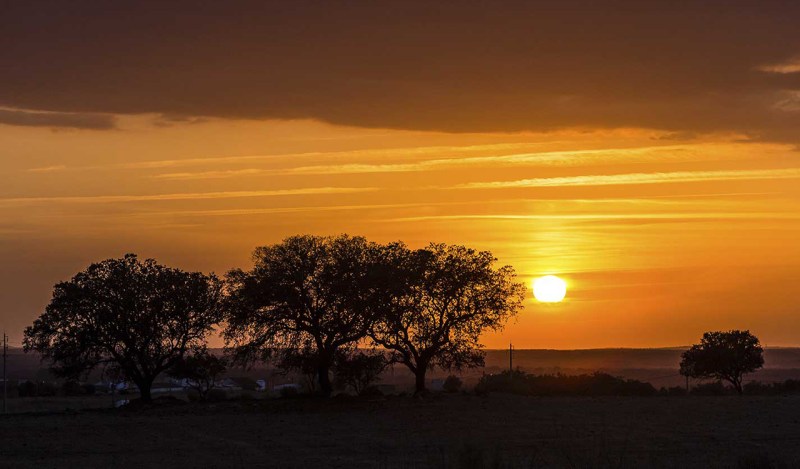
pixel 646 152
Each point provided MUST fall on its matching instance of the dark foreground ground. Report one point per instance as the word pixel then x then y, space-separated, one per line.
pixel 458 431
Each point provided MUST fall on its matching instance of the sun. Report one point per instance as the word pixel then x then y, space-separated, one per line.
pixel 549 289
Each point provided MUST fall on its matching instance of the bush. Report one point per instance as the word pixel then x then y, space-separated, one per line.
pixel 89 389
pixel 359 370
pixel 216 395
pixel 710 389
pixel 673 391
pixel 288 391
pixel 72 388
pixel 26 389
pixel 247 384
pixel 46 389
pixel 597 384
pixel 452 384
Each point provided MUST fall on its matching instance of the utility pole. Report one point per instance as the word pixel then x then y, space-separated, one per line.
pixel 5 378
pixel 510 358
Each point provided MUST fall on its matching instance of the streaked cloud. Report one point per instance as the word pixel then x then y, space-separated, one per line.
pixel 661 154
pixel 183 196
pixel 606 216
pixel 72 120
pixel 639 178
pixel 790 66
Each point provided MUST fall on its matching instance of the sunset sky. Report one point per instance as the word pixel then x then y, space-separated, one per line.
pixel 645 153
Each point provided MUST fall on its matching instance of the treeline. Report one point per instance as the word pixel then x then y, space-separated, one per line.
pixel 307 304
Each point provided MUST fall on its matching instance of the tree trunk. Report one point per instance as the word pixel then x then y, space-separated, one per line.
pixel 738 385
pixel 144 390
pixel 324 379
pixel 420 380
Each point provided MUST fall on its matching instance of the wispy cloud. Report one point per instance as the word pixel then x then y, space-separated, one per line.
pixel 789 66
pixel 638 178
pixel 183 196
pixel 74 120
pixel 606 216
pixel 48 169
pixel 375 152
pixel 670 153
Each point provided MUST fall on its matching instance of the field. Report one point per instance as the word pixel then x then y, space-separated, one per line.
pixel 458 431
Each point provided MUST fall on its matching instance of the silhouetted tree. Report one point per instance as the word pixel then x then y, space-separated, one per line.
pixel 200 369
pixel 724 356
pixel 310 295
pixel 359 369
pixel 448 296
pixel 135 316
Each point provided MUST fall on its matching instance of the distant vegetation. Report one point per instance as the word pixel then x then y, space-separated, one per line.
pixel 596 384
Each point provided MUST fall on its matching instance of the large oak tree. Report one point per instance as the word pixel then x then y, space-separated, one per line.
pixel 448 296
pixel 138 317
pixel 724 356
pixel 309 296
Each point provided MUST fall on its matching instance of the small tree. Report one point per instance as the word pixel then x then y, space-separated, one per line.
pixel 359 369
pixel 309 294
pixel 137 317
pixel 201 370
pixel 445 298
pixel 724 356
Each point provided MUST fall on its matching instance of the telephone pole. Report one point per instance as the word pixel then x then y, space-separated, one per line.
pixel 510 358
pixel 5 378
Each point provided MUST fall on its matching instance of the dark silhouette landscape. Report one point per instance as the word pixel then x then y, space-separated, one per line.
pixel 400 234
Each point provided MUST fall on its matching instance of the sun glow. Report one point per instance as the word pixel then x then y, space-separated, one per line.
pixel 549 289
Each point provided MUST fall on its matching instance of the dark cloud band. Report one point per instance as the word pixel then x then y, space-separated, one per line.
pixel 453 66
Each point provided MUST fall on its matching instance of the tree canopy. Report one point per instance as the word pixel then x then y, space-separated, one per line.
pixel 449 296
pixel 139 317
pixel 724 356
pixel 310 295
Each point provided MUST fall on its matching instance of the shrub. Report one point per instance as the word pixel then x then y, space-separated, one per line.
pixel 710 389
pixel 288 391
pixel 597 384
pixel 46 389
pixel 72 388
pixel 26 389
pixel 216 395
pixel 359 370
pixel 452 384
pixel 673 391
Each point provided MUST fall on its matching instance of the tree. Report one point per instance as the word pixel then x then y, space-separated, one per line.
pixel 136 317
pixel 200 369
pixel 359 369
pixel 447 297
pixel 307 295
pixel 723 356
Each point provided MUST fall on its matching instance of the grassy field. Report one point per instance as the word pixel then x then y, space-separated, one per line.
pixel 458 431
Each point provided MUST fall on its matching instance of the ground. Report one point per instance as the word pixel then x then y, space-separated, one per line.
pixel 459 431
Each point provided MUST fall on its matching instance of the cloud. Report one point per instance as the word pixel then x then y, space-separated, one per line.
pixel 639 178
pixel 790 66
pixel 74 120
pixel 658 154
pixel 448 66
pixel 182 196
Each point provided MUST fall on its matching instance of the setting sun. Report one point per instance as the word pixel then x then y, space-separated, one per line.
pixel 549 289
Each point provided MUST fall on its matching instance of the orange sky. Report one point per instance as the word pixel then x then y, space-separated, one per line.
pixel 657 175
